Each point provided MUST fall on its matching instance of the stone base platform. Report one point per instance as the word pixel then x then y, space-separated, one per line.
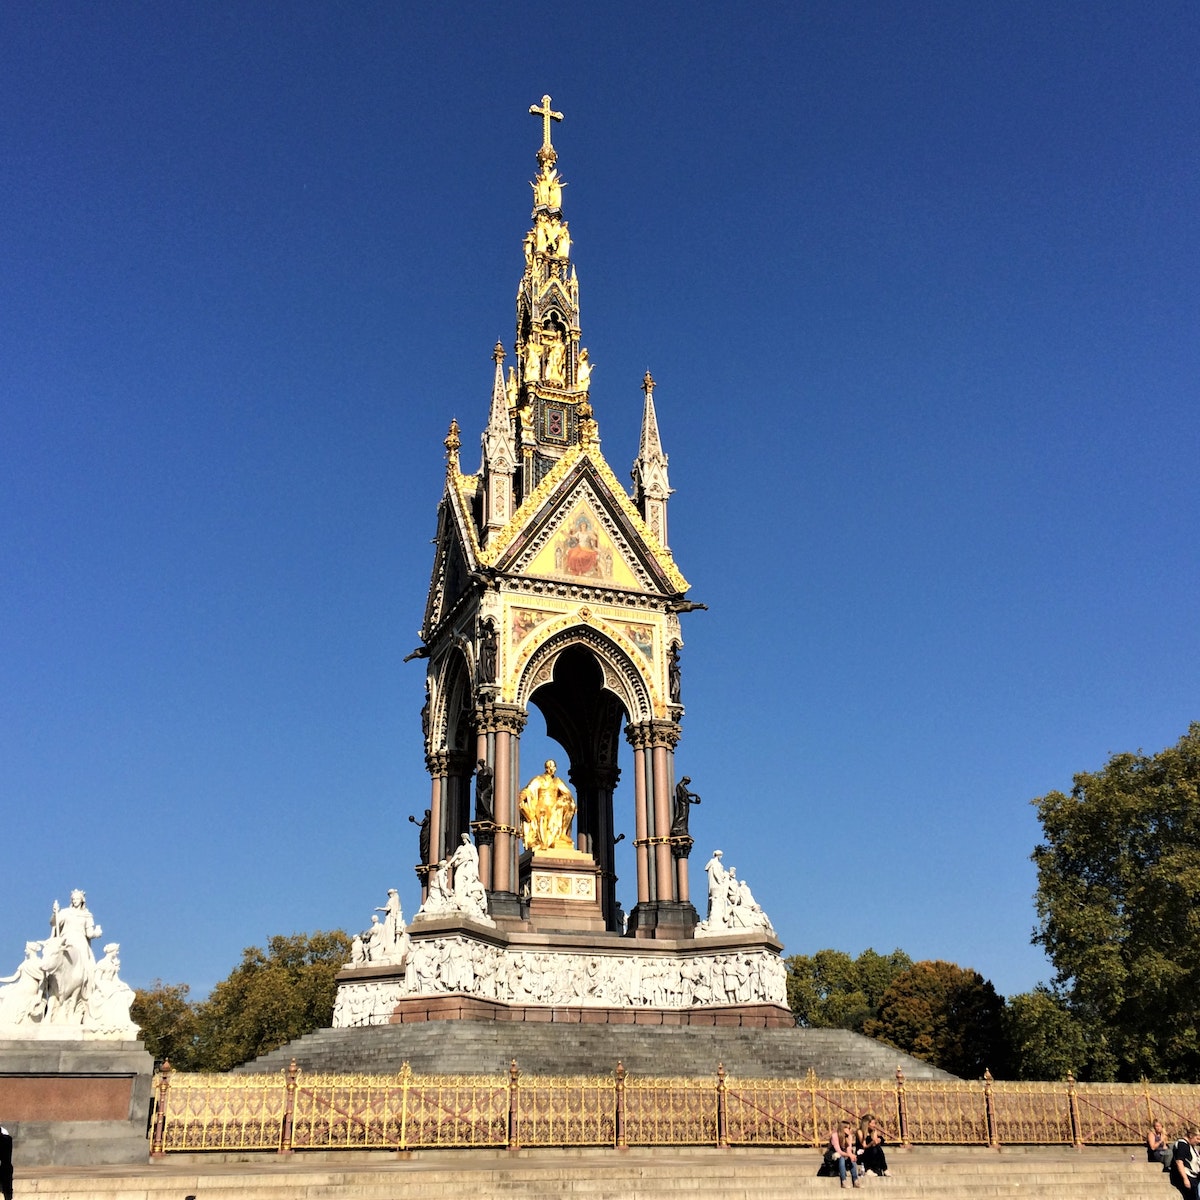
pixel 76 1101
pixel 731 979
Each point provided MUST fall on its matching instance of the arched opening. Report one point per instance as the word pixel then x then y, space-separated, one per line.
pixel 585 719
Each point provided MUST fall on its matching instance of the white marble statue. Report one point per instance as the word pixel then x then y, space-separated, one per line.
pixel 22 1001
pixel 111 997
pixel 731 905
pixel 60 991
pixel 385 942
pixel 470 896
pixel 454 886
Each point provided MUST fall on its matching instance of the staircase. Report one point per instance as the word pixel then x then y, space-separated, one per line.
pixel 927 1173
pixel 487 1047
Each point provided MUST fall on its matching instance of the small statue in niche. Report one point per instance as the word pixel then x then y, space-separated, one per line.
pixel 555 359
pixel 683 805
pixel 674 676
pixel 583 372
pixel 488 649
pixel 485 786
pixel 533 360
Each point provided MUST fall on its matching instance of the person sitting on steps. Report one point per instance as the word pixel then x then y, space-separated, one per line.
pixel 1158 1149
pixel 841 1151
pixel 870 1146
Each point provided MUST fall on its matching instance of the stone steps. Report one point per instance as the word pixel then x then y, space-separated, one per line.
pixel 487 1047
pixel 926 1173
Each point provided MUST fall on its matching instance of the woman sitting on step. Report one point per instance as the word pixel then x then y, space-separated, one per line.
pixel 870 1141
pixel 842 1152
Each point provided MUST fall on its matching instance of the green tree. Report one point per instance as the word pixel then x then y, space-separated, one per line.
pixel 830 989
pixel 1118 903
pixel 168 1022
pixel 1044 1040
pixel 946 1014
pixel 270 998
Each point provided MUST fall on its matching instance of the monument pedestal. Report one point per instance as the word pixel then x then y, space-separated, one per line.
pixel 563 887
pixel 78 1102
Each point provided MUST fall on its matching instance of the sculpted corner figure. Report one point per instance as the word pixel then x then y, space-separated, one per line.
pixel 485 787
pixel 423 833
pixel 547 810
pixel 683 803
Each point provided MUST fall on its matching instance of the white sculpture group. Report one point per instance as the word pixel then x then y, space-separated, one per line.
pixel 731 905
pixel 455 886
pixel 386 941
pixel 459 962
pixel 60 990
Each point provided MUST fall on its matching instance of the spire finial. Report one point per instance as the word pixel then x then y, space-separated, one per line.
pixel 546 155
pixel 498 352
pixel 453 442
pixel 648 383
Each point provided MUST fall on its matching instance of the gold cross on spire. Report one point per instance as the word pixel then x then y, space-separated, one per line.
pixel 547 114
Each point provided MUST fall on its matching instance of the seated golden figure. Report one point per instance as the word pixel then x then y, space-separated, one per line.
pixel 547 810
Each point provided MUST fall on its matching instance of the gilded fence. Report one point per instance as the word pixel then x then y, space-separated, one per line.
pixel 565 1111
pixel 297 1111
pixel 670 1112
pixel 353 1112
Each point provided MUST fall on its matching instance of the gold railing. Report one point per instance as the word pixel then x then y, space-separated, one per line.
pixel 296 1111
pixel 670 1112
pixel 564 1111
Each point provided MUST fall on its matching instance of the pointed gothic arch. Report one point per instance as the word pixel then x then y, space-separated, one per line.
pixel 623 676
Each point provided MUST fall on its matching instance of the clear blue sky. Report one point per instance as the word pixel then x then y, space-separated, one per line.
pixel 920 286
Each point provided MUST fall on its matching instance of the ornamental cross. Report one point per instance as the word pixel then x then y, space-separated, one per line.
pixel 547 114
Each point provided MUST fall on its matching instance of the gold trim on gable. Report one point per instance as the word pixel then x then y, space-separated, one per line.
pixel 553 479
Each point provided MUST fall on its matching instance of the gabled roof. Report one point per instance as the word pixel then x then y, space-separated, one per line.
pixel 581 485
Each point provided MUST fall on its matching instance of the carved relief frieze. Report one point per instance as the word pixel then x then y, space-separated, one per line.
pixel 460 963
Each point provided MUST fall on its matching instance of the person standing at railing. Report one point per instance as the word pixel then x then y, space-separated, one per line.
pixel 1185 1164
pixel 841 1152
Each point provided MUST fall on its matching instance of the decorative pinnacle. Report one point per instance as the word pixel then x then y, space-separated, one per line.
pixel 546 155
pixel 498 352
pixel 453 442
pixel 648 384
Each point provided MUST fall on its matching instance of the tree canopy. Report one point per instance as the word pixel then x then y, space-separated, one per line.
pixel 168 1022
pixel 1118 902
pixel 946 1014
pixel 272 997
pixel 830 989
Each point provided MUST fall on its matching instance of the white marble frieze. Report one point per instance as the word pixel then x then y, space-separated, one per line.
pixel 460 964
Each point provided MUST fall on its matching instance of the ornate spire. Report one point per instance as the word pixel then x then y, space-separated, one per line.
pixel 553 372
pixel 453 444
pixel 651 486
pixel 499 452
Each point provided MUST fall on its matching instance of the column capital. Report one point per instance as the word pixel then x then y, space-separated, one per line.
pixel 438 762
pixel 648 735
pixel 495 717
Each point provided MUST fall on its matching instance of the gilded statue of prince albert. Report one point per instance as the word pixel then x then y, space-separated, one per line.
pixel 547 809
